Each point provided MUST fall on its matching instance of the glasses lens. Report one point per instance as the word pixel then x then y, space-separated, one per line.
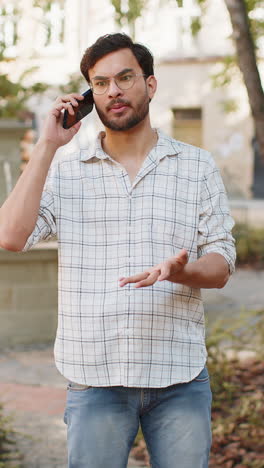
pixel 125 81
pixel 100 86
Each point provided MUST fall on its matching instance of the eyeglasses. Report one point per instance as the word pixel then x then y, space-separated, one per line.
pixel 125 81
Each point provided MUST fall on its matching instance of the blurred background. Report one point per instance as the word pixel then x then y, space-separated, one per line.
pixel 209 63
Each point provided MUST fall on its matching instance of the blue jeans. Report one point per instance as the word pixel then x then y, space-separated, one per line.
pixel 176 423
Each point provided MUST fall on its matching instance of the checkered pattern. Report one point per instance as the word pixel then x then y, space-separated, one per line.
pixel 108 228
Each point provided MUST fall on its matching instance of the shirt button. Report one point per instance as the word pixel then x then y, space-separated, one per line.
pixel 126 331
pixel 128 292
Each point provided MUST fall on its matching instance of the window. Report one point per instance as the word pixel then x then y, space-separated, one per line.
pixel 187 125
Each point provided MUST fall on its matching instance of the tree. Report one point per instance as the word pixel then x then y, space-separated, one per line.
pixel 243 35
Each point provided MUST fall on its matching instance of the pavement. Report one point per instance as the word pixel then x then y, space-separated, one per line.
pixel 34 393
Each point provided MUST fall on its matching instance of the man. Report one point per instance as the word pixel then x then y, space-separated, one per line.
pixel 142 223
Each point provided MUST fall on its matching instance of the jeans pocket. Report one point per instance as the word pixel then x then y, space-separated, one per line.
pixel 75 387
pixel 203 376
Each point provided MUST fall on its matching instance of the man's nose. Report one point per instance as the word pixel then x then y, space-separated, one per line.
pixel 113 90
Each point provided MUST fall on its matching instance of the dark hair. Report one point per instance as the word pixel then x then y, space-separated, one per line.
pixel 110 43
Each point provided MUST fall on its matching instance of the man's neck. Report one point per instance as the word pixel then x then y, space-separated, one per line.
pixel 131 146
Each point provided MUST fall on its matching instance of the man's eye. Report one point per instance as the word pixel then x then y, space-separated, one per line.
pixel 100 83
pixel 126 77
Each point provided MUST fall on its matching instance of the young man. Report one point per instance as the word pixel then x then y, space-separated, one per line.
pixel 142 223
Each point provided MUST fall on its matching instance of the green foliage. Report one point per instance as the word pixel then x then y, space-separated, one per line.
pixel 128 15
pixel 196 22
pixel 225 75
pixel 249 245
pixel 223 78
pixel 73 85
pixel 8 452
pixel 45 4
pixel 14 96
pixel 256 23
pixel 196 25
pixel 229 106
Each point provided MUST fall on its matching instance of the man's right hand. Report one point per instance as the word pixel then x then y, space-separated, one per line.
pixel 52 131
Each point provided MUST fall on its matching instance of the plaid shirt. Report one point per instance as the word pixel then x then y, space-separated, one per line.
pixel 108 228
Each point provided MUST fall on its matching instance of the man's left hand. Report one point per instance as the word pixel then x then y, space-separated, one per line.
pixel 163 271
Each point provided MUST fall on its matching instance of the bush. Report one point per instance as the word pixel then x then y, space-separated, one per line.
pixel 249 245
pixel 8 452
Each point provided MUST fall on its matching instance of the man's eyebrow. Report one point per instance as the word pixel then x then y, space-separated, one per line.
pixel 125 70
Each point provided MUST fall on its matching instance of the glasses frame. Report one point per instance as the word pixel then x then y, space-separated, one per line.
pixel 114 78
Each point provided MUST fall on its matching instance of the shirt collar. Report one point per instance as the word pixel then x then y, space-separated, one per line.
pixel 165 146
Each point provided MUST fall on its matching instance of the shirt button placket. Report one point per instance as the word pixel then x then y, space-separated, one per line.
pixel 129 291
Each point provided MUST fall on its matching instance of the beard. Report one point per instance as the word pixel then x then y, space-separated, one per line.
pixel 124 123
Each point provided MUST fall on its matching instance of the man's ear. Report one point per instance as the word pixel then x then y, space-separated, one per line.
pixel 151 83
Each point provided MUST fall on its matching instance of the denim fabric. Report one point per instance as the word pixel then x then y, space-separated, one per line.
pixel 103 423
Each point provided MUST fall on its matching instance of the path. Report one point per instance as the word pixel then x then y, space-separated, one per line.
pixel 34 392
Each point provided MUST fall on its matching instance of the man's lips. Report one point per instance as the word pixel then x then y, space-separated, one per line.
pixel 118 108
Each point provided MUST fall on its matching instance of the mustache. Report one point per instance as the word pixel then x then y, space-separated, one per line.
pixel 117 101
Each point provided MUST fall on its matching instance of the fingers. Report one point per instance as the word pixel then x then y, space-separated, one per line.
pixel 165 271
pixel 147 278
pixel 149 281
pixel 67 102
pixel 70 97
pixel 133 279
pixel 182 257
pixel 160 272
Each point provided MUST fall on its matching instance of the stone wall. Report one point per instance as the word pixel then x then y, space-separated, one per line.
pixel 28 296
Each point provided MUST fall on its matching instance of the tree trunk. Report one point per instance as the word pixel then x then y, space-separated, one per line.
pixel 248 65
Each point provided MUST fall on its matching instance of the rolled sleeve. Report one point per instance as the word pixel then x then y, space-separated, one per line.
pixel 215 222
pixel 45 227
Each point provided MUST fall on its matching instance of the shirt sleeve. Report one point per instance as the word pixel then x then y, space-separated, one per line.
pixel 215 222
pixel 45 227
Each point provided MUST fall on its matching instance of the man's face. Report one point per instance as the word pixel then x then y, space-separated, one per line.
pixel 121 109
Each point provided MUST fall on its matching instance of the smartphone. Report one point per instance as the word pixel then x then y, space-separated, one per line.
pixel 84 108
